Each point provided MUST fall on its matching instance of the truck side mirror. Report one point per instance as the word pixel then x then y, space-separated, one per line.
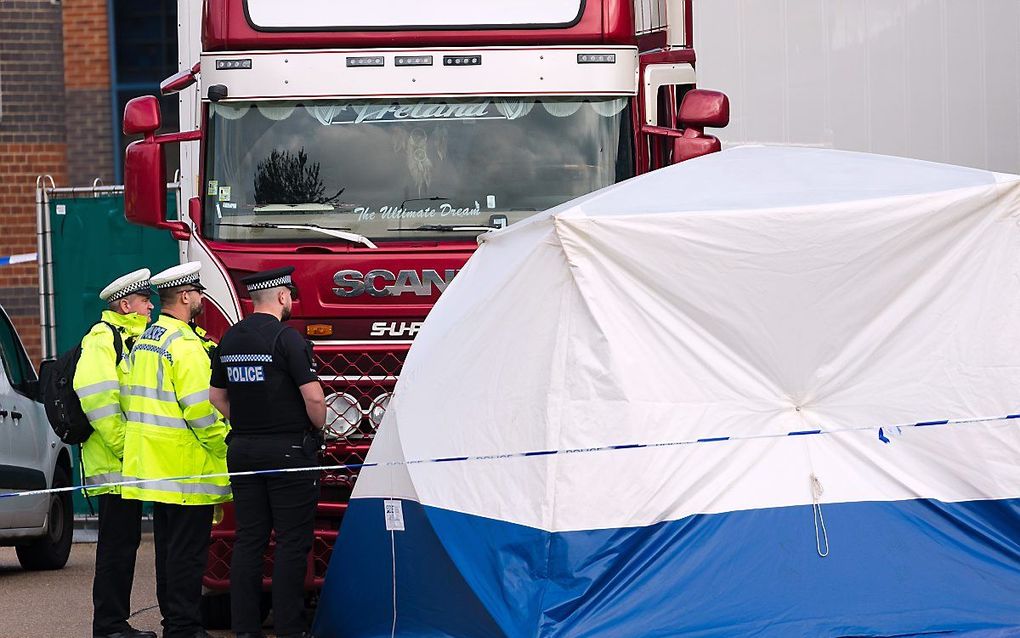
pixel 700 108
pixel 142 115
pixel 145 169
pixel 180 80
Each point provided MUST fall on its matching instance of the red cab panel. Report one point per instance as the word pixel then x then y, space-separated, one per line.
pixel 229 27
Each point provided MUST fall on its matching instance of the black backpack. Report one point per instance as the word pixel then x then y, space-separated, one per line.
pixel 63 407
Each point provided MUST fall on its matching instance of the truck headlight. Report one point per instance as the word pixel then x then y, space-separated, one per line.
pixel 343 415
pixel 378 409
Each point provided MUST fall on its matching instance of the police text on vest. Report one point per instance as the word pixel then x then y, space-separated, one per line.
pixel 246 374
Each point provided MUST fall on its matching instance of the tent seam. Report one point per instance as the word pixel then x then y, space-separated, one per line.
pixel 554 460
pixel 1003 186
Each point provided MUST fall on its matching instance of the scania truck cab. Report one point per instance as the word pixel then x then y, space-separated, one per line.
pixel 369 144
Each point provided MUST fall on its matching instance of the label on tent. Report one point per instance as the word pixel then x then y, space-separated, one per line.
pixel 61 209
pixel 394 516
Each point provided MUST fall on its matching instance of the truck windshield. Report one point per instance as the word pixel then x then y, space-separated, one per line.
pixel 407 169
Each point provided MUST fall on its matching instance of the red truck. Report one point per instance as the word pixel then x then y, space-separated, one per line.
pixel 368 146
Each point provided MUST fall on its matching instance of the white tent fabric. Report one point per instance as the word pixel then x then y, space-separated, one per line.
pixel 793 316
pixel 633 317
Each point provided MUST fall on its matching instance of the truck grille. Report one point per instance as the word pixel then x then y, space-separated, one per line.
pixel 358 386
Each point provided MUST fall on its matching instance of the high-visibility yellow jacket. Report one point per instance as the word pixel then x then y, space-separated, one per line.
pixel 97 380
pixel 208 344
pixel 173 431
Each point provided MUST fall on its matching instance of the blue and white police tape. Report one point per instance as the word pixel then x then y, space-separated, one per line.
pixel 884 432
pixel 23 258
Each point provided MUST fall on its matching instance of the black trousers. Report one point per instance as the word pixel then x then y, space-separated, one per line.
pixel 181 536
pixel 281 502
pixel 120 532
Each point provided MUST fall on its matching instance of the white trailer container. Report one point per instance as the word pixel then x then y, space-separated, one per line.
pixel 930 79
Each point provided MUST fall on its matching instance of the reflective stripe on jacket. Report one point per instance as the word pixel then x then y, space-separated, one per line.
pixel 173 430
pixel 97 380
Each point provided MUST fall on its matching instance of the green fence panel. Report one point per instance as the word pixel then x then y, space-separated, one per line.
pixel 93 245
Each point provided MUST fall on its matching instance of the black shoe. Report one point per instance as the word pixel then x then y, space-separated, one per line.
pixel 130 632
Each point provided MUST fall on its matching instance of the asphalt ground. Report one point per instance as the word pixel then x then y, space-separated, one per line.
pixel 58 604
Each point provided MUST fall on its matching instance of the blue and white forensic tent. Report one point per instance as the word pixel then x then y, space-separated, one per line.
pixel 768 392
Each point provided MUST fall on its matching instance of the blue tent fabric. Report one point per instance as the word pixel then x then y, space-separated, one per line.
pixel 770 392
pixel 894 569
pixel 362 604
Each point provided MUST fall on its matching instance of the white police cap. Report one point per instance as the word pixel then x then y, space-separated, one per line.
pixel 129 284
pixel 183 275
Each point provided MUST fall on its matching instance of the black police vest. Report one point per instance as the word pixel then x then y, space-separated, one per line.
pixel 264 399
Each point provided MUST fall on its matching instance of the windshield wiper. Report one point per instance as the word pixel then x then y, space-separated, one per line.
pixel 448 228
pixel 431 198
pixel 339 233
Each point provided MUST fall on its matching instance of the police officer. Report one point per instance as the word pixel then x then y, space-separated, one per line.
pixel 97 380
pixel 175 443
pixel 264 381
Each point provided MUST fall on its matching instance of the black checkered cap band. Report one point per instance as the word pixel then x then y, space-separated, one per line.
pixel 181 281
pixel 141 286
pixel 272 283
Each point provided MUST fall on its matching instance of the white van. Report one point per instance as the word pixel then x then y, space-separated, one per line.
pixel 31 458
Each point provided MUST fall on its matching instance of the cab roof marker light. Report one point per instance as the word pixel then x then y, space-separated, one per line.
pixel 366 60
pixel 412 60
pixel 596 58
pixel 462 60
pixel 223 65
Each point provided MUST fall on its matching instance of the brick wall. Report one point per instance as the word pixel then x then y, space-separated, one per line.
pixel 32 143
pixel 87 82
pixel 56 120
pixel 20 165
pixel 89 138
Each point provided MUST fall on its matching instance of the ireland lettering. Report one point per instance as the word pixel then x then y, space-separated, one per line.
pixel 420 111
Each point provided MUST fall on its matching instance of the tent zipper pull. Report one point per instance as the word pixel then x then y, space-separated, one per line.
pixel 821 534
